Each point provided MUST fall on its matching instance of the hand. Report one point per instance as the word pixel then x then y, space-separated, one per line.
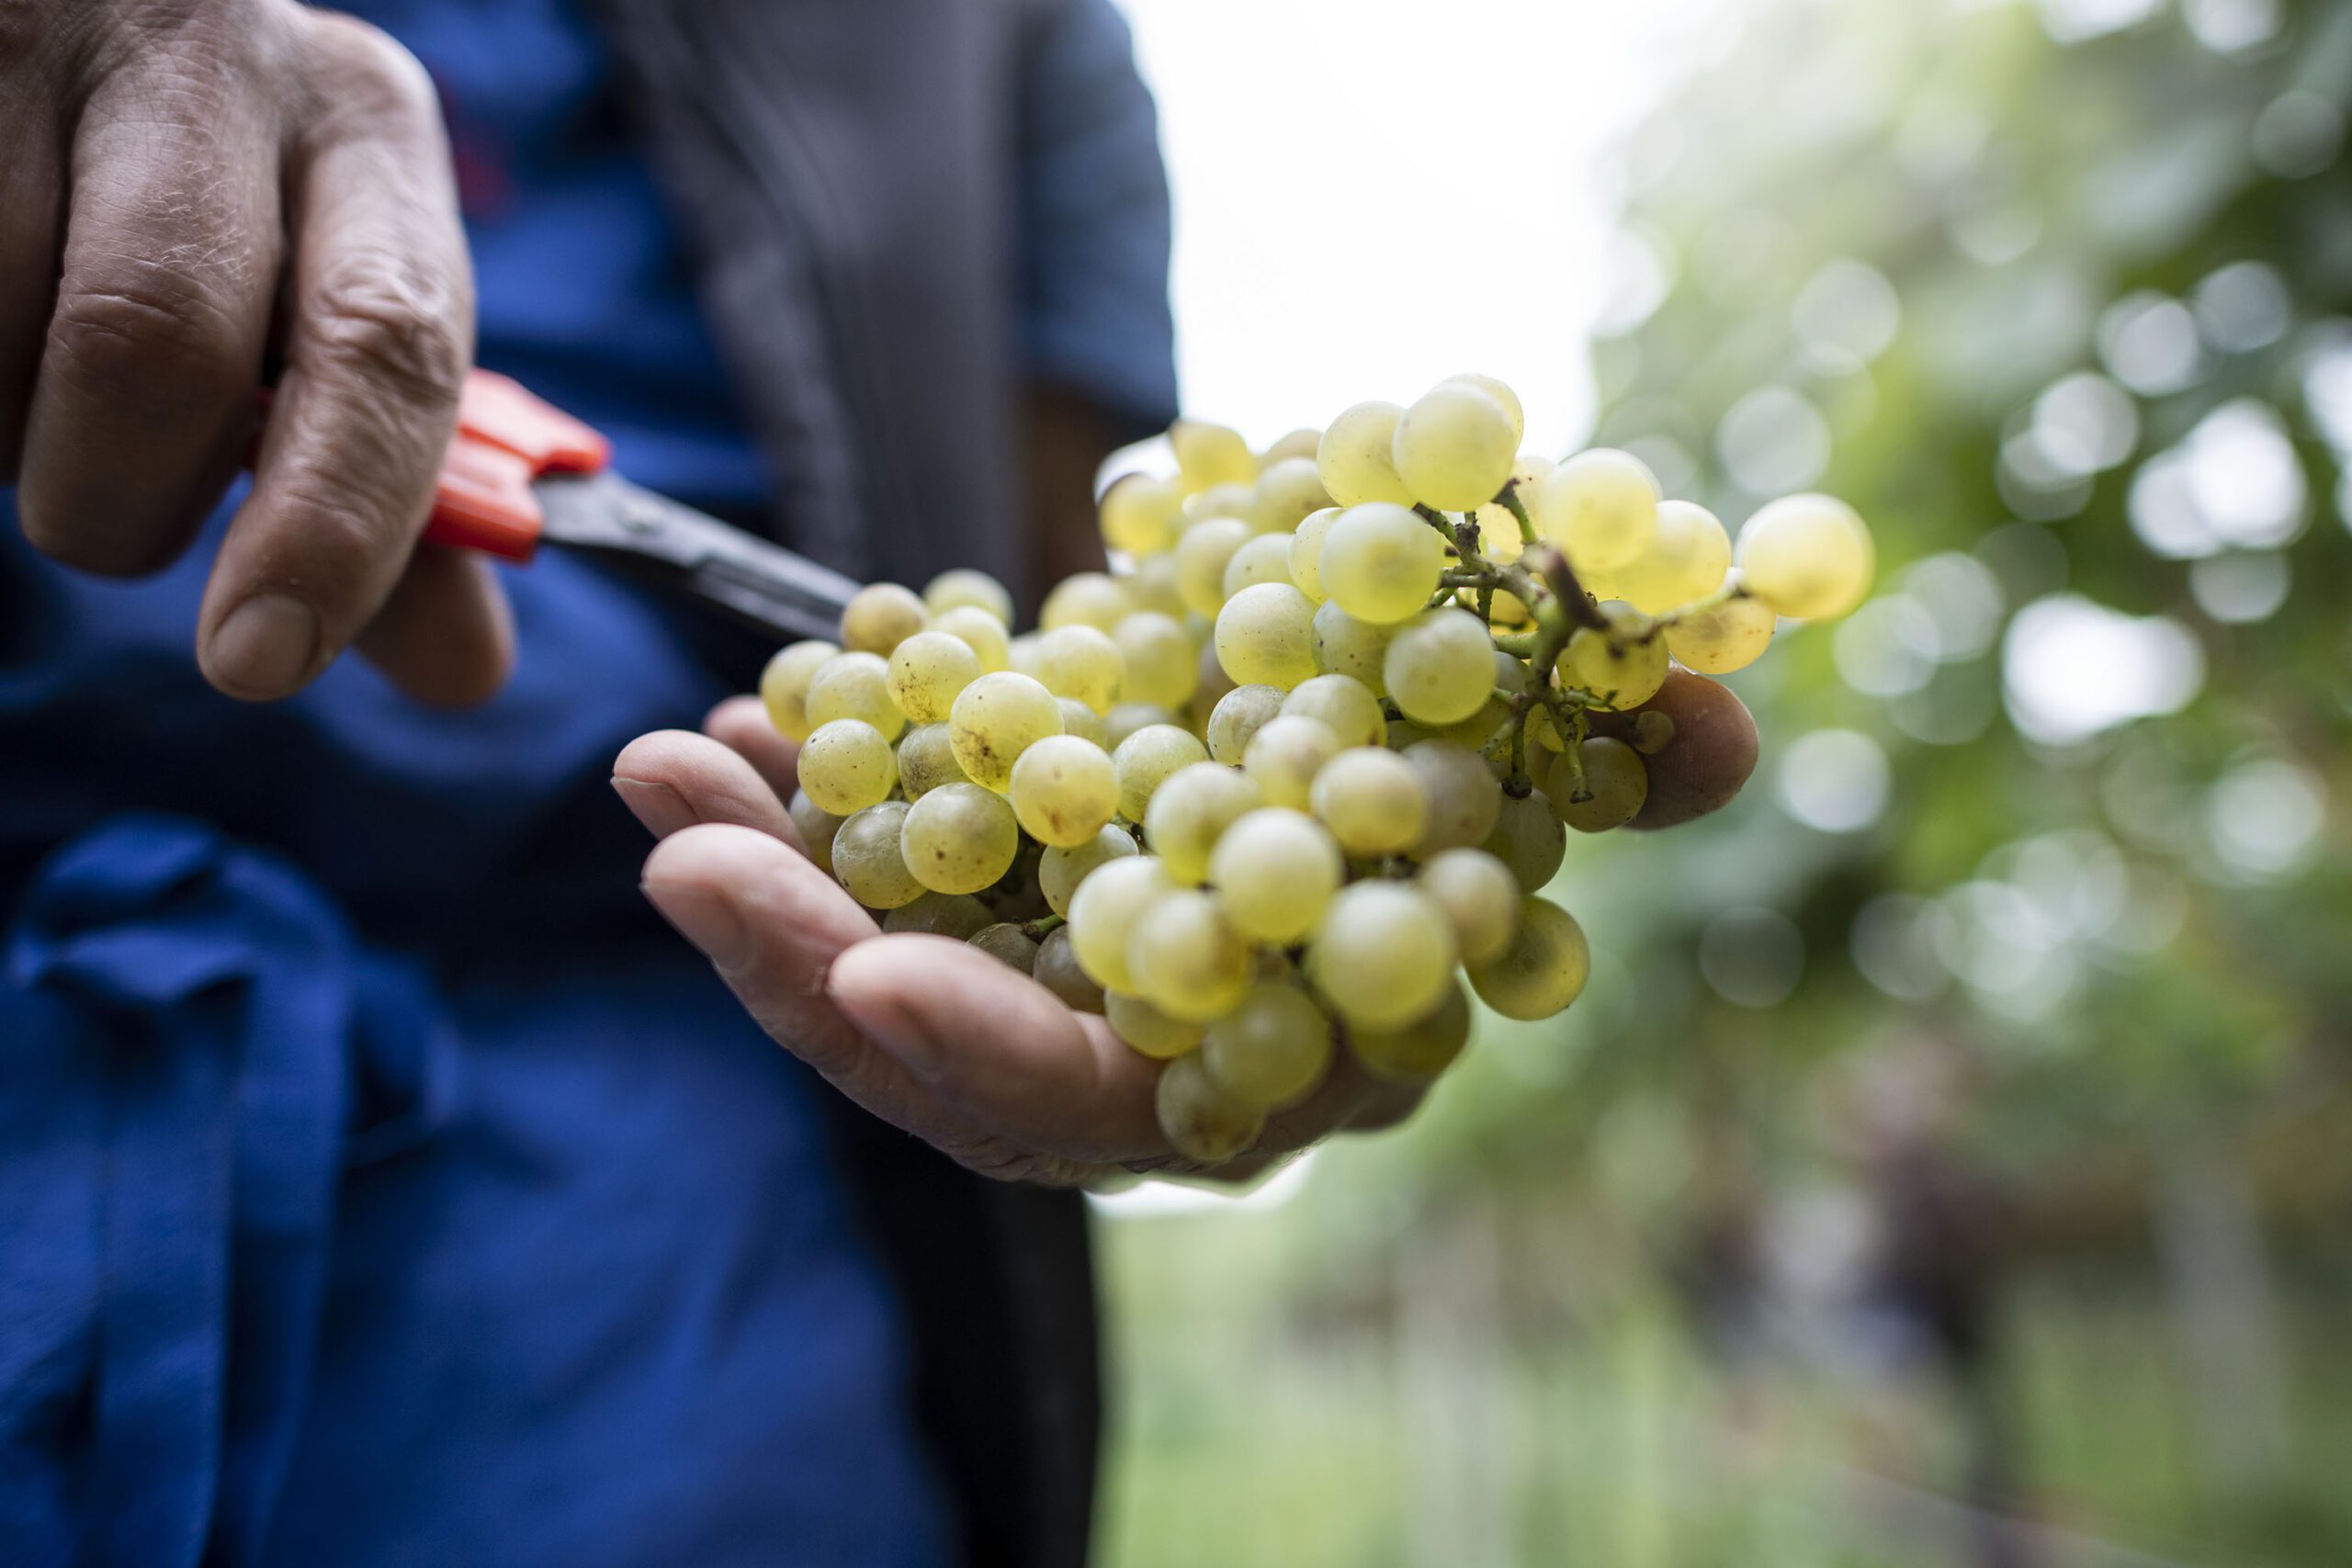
pixel 189 185
pixel 934 1036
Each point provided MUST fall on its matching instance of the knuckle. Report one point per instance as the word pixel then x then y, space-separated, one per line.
pixel 395 326
pixel 370 70
pixel 120 332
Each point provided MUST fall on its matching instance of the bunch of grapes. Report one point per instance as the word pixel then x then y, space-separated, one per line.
pixel 1273 788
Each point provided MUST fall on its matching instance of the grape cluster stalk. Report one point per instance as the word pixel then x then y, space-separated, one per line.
pixel 1273 788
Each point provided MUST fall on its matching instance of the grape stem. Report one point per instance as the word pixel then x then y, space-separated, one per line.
pixel 1508 501
pixel 1043 927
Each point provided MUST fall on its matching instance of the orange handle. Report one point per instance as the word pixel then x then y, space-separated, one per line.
pixel 507 439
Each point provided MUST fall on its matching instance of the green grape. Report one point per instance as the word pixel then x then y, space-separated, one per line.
pixel 1201 556
pixel 1479 896
pixel 1185 960
pixel 961 588
pixel 1356 457
pixel 1373 802
pixel 1264 636
pixel 1601 506
pixel 1239 714
pixel 1102 915
pixel 1064 791
pixel 1211 455
pixel 1009 946
pixel 1271 1050
pixel 1301 442
pixel 927 671
pixel 1082 721
pixel 1623 666
pixel 1139 513
pixel 1274 871
pixel 1151 586
pixel 980 632
pixel 1418 1052
pixel 1684 561
pixel 1722 639
pixel 927 759
pixel 1199 1120
pixel 1083 662
pixel 1529 839
pixel 1262 558
pixel 1500 392
pixel 1060 869
pixel 866 859
pixel 817 826
pixel 1455 447
pixel 856 685
pixel 1127 717
pixel 940 914
pixel 879 617
pixel 1148 1031
pixel 1615 786
pixel 1380 563
pixel 960 838
pixel 783 685
pixel 1021 655
pixel 1346 705
pixel 1221 501
pixel 1808 556
pixel 1188 813
pixel 1465 798
pixel 995 719
pixel 1288 490
pixel 1146 759
pixel 846 766
pixel 1440 667
pixel 1306 551
pixel 1653 732
pixel 1384 955
pixel 1059 970
pixel 1284 756
pixel 1543 971
pixel 1085 599
pixel 1161 665
pixel 1358 649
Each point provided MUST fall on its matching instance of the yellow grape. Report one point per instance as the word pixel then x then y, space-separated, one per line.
pixel 1085 599
pixel 1684 563
pixel 879 617
pixel 1528 838
pixel 980 632
pixel 1064 791
pixel 927 759
pixel 1162 666
pixel 1200 1121
pixel 783 685
pixel 961 588
pixel 867 858
pixel 1440 667
pixel 1238 716
pixel 1262 558
pixel 1125 718
pixel 1185 960
pixel 1201 556
pixel 1082 721
pixel 1140 513
pixel 1306 547
pixel 1220 501
pixel 1384 955
pixel 856 685
pixel 1419 1051
pixel 1601 506
pixel 1271 1050
pixel 1356 456
pixel 1060 869
pixel 1081 662
pixel 926 672
pixel 1264 636
pixel 1616 784
pixel 1723 637
pixel 1301 442
pixel 1211 455
pixel 1188 810
pixel 1287 753
pixel 1147 759
pixel 846 766
pixel 1345 645
pixel 960 838
pixel 1808 556
pixel 1623 666
pixel 1275 871
pixel 995 719
pixel 1371 800
pixel 1146 1029
pixel 1455 447
pixel 1288 490
pixel 1103 914
pixel 1543 971
pixel 1465 799
pixel 1481 898
pixel 1500 392
pixel 1151 586
pixel 1381 563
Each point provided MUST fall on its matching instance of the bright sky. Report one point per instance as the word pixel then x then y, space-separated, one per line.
pixel 1372 195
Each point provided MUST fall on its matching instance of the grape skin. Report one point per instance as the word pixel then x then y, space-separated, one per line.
pixel 962 588
pixel 856 685
pixel 1684 562
pixel 1624 666
pixel 1384 955
pixel 1465 797
pixel 1185 960
pixel 817 828
pixel 1371 800
pixel 1601 506
pixel 783 685
pixel 1358 649
pixel 1161 665
pixel 1081 721
pixel 846 766
pixel 1147 759
pixel 939 914
pixel 1501 392
pixel 1380 563
pixel 1103 914
pixel 1065 790
pixel 866 859
pixel 1440 667
pixel 1263 558
pixel 927 671
pixel 1529 839
pixel 1211 454
pixel 1060 870
pixel 1202 555
pixel 1356 459
pixel 1139 513
pixel 1544 969
pixel 1085 599
pixel 1188 813
pixel 1285 755
pixel 980 632
pixel 1200 1121
pixel 1455 447
pixel 1344 704
pixel 1271 1050
pixel 1127 717
pixel 1059 970
pixel 1306 552
pixel 1808 556
pixel 1418 1052
pixel 1616 782
pixel 960 838
pixel 926 760
pixel 1264 636
pixel 1146 1029
pixel 879 617
pixel 1727 637
pixel 1081 662
pixel 1288 491
pixel 1275 872
pixel 1481 898
pixel 995 719
pixel 1009 946
pixel 1238 716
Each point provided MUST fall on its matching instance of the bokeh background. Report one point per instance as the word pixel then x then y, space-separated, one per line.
pixel 1951 1162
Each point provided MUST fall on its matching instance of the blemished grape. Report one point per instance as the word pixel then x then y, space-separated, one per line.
pixel 1418 1052
pixel 783 685
pixel 1623 666
pixel 1284 756
pixel 1358 649
pixel 846 766
pixel 1684 561
pixel 1202 553
pixel 1188 813
pixel 1065 790
pixel 1545 968
pixel 1161 664
pixel 995 719
pixel 962 588
pixel 866 859
pixel 1082 721
pixel 1275 871
pixel 927 759
pixel 1147 1029
pixel 817 826
pixel 1373 802
pixel 980 632
pixel 1723 637
pixel 1479 896
pixel 1808 556
pixel 1345 704
pixel 1103 914
pixel 960 838
pixel 939 914
pixel 1384 955
pixel 856 685
pixel 1601 506
pixel 1125 718
pixel 1185 960
pixel 1238 716
pixel 1211 454
pixel 879 617
pixel 1264 636
pixel 1455 447
pixel 1440 667
pixel 1380 563
pixel 1147 759
pixel 1083 662
pixel 1288 491
pixel 1059 970
pixel 1087 599
pixel 1529 839
pixel 1271 1050
pixel 1200 1121
pixel 1356 459
pixel 1009 946
pixel 1060 870
pixel 1465 797
pixel 1140 513
pixel 926 672
pixel 1306 558
pixel 1263 558
pixel 1500 392
pixel 1616 782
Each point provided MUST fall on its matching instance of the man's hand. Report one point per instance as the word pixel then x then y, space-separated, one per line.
pixel 188 188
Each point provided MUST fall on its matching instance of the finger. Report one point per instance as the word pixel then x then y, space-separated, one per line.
pixel 448 659
pixel 32 196
pixel 1712 751
pixel 381 334
pixel 742 724
pixel 673 780
pixel 145 392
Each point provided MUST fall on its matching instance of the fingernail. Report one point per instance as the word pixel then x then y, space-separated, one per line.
pixel 662 809
pixel 267 646
pixel 706 920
